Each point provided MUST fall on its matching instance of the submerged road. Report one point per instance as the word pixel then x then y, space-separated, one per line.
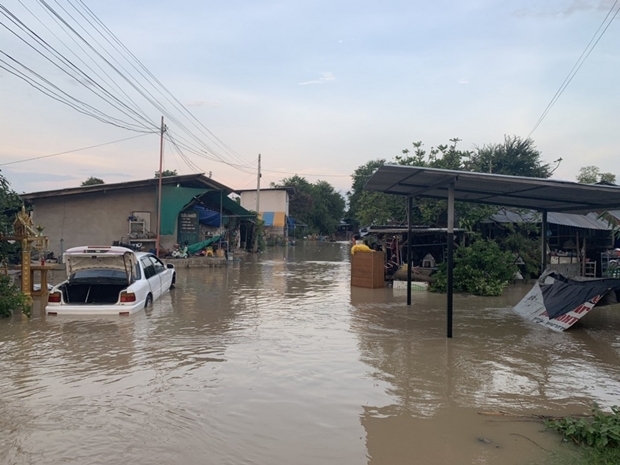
pixel 275 359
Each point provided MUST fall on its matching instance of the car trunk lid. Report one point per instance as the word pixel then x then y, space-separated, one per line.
pixel 100 257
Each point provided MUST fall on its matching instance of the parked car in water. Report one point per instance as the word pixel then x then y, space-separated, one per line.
pixel 109 280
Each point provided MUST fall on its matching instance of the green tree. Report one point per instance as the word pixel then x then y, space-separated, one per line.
pixel 10 204
pixel 92 181
pixel 360 177
pixel 515 156
pixel 166 173
pixel 318 205
pixel 11 298
pixel 592 174
pixel 301 202
pixel 328 208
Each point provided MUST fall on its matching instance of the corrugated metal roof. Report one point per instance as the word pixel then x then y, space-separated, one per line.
pixel 589 221
pixel 494 189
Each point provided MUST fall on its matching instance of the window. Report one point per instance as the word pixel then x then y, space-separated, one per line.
pixel 159 266
pixel 149 267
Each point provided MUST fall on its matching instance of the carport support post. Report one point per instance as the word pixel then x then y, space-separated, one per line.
pixel 409 261
pixel 450 257
pixel 543 242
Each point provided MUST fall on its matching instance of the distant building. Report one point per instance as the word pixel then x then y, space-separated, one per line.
pixel 192 206
pixel 273 206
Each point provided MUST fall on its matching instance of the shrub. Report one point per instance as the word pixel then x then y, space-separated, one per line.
pixel 480 268
pixel 600 431
pixel 11 298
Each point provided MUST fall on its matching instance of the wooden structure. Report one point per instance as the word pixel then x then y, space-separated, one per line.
pixel 368 269
pixel 24 232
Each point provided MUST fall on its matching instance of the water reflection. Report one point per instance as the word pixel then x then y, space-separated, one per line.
pixel 275 359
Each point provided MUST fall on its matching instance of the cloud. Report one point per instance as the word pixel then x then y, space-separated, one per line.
pixel 202 103
pixel 325 77
pixel 463 81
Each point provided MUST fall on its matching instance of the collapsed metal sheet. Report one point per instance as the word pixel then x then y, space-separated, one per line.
pixel 557 302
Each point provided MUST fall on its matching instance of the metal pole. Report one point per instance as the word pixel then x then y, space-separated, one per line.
pixel 450 257
pixel 409 236
pixel 543 240
pixel 221 213
pixel 161 166
pixel 255 248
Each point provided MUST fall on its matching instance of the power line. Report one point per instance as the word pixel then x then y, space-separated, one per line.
pixel 106 87
pixel 577 66
pixel 67 67
pixel 175 102
pixel 73 151
pixel 309 174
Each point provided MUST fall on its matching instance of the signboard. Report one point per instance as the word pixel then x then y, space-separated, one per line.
pixel 188 228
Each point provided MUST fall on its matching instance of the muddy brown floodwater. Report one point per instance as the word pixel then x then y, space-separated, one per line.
pixel 276 360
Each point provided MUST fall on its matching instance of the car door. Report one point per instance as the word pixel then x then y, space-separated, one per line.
pixel 151 276
pixel 164 273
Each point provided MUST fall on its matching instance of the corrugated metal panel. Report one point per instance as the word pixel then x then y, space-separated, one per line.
pixel 577 221
pixel 564 219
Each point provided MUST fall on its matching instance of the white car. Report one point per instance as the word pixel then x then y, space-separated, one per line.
pixel 109 280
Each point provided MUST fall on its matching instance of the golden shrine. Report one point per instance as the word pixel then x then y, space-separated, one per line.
pixel 25 232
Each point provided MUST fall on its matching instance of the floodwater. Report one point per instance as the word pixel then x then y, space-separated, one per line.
pixel 276 360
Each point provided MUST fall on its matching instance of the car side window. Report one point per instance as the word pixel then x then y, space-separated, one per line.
pixel 138 274
pixel 149 268
pixel 159 266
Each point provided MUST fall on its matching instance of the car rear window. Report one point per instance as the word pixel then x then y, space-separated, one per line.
pixel 99 275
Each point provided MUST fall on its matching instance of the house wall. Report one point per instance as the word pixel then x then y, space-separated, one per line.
pixel 276 201
pixel 270 201
pixel 97 218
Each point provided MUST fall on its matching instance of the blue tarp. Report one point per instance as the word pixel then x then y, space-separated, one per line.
pixel 206 216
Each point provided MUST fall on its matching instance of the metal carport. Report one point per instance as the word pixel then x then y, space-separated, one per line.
pixel 539 194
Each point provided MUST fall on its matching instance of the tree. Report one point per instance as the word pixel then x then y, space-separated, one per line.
pixel 92 181
pixel 318 205
pixel 360 177
pixel 11 298
pixel 10 204
pixel 592 174
pixel 515 156
pixel 166 173
pixel 328 208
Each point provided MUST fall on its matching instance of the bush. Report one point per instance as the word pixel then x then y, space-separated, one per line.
pixel 602 430
pixel 480 268
pixel 11 298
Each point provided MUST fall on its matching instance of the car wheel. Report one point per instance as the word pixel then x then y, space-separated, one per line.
pixel 149 301
pixel 174 281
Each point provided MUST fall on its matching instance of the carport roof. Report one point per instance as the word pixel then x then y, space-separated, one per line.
pixel 497 189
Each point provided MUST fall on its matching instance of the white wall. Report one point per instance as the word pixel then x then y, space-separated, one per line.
pixel 271 200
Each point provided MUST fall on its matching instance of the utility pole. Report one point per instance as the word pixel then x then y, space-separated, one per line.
pixel 255 247
pixel 161 166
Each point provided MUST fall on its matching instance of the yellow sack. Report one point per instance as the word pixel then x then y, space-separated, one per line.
pixel 360 248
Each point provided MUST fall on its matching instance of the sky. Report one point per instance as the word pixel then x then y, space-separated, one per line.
pixel 318 88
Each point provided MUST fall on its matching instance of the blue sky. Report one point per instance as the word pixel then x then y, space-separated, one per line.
pixel 321 87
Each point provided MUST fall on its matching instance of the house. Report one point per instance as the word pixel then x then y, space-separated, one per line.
pixel 193 207
pixel 273 204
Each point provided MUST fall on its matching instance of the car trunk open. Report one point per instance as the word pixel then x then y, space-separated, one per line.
pixel 92 294
pixel 97 275
pixel 94 286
